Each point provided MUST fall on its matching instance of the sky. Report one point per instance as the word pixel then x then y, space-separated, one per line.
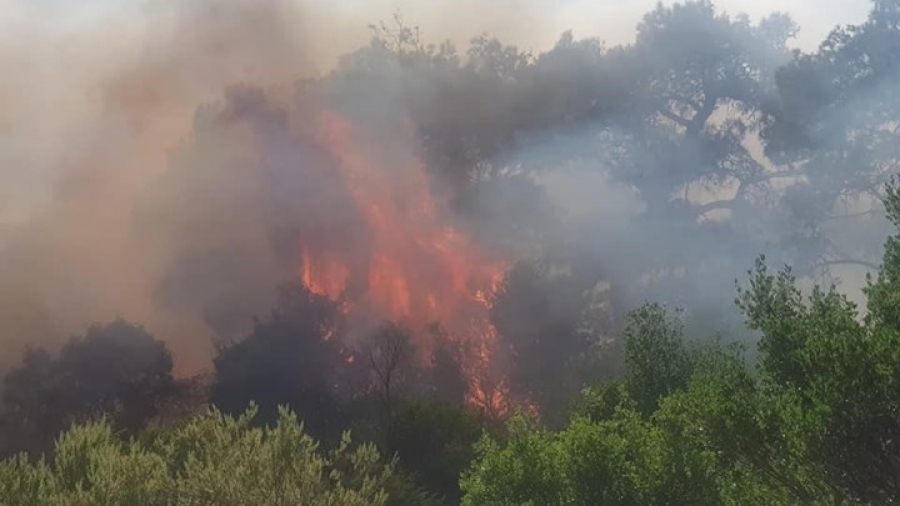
pixel 614 21
pixel 816 17
pixel 611 20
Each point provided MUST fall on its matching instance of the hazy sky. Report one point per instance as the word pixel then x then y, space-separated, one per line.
pixel 537 21
pixel 614 20
pixel 618 17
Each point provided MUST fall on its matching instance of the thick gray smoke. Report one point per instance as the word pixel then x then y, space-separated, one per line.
pixel 104 215
pixel 174 162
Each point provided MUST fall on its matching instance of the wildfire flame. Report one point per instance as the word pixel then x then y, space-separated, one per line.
pixel 418 269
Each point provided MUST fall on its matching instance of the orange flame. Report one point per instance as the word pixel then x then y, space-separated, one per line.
pixel 417 269
pixel 326 278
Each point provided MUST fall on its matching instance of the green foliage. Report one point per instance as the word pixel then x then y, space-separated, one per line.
pixel 837 373
pixel 525 471
pixel 726 442
pixel 612 462
pixel 600 402
pixel 616 461
pixel 214 459
pixel 795 333
pixel 433 442
pixel 656 361
pixel 884 292
pixel 717 440
pixel 836 376
pixel 403 490
pixel 817 425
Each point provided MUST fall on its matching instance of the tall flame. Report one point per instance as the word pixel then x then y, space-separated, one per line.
pixel 418 269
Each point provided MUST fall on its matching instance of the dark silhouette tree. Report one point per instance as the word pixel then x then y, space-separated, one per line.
pixel 294 358
pixel 433 442
pixel 391 355
pixel 543 315
pixel 834 125
pixel 447 381
pixel 117 370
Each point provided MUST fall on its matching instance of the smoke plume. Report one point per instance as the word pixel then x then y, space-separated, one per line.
pixel 176 166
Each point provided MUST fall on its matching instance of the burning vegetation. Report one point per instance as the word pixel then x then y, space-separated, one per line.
pixel 411 266
pixel 352 214
pixel 417 241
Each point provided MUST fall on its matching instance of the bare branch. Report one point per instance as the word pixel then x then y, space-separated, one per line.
pixel 674 117
pixel 847 261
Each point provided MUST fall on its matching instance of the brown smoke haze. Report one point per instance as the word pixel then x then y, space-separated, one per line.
pixel 90 117
pixel 96 114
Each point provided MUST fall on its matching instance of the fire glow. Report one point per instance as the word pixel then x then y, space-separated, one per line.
pixel 417 269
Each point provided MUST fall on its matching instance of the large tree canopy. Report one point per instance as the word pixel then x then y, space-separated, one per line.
pixel 116 370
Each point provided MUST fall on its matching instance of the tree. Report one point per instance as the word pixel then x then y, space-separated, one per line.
pixel 390 356
pixel 728 440
pixel 717 439
pixel 838 370
pixel 403 490
pixel 117 370
pixel 611 462
pixel 448 383
pixel 292 359
pixel 818 424
pixel 434 443
pixel 544 317
pixel 685 139
pixel 656 361
pixel 833 124
pixel 698 61
pixel 214 459
pixel 702 78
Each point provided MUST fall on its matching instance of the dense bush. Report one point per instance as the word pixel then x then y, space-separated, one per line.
pixel 214 459
pixel 118 370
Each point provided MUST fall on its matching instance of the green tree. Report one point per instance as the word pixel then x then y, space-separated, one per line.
pixel 524 471
pixel 837 370
pixel 434 443
pixel 656 360
pixel 616 461
pixel 816 425
pixel 213 459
